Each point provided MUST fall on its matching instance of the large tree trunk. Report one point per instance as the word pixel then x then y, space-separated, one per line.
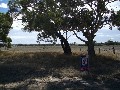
pixel 91 51
pixel 64 43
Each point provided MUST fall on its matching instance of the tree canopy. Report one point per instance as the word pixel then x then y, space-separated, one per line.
pixel 49 17
pixel 116 19
pixel 90 18
pixel 44 16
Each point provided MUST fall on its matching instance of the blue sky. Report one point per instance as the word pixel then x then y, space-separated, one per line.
pixel 20 37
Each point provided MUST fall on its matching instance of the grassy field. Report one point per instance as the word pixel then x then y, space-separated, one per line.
pixel 47 68
pixel 59 48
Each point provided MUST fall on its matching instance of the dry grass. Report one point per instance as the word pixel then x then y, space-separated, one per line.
pixel 19 66
pixel 30 63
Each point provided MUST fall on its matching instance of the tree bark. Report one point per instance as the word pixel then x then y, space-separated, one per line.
pixel 64 43
pixel 91 51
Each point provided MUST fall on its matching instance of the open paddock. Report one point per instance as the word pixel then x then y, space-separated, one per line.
pixel 104 50
pixel 74 49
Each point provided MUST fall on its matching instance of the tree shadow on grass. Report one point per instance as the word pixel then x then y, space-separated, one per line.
pixel 16 73
pixel 34 65
pixel 105 70
pixel 103 65
pixel 66 85
pixel 21 67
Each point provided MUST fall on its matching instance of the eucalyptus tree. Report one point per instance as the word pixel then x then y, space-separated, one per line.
pixel 89 19
pixel 49 17
pixel 5 26
pixel 44 16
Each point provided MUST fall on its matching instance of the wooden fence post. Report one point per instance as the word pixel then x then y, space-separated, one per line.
pixel 99 50
pixel 113 50
pixel 80 49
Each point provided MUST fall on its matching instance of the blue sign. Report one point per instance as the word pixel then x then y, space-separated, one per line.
pixel 84 63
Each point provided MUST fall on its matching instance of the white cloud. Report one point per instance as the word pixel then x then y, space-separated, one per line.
pixel 17 24
pixel 19 36
pixel 105 34
pixel 114 5
pixel 118 35
pixel 99 33
pixel 22 37
pixel 3 5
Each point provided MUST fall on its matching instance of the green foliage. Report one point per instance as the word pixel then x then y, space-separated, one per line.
pixel 110 42
pixel 9 40
pixel 5 26
pixel 51 16
pixel 90 20
pixel 46 16
pixel 41 16
pixel 116 19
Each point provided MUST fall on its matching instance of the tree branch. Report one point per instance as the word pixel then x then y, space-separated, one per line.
pixel 79 37
pixel 99 15
pixel 91 6
pixel 108 2
pixel 69 37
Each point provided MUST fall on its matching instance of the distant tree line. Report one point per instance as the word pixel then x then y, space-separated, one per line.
pixel 109 42
pixel 35 44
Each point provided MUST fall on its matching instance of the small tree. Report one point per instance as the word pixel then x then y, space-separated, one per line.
pixel 9 40
pixel 5 26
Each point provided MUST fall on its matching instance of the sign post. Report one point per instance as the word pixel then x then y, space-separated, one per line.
pixel 84 63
